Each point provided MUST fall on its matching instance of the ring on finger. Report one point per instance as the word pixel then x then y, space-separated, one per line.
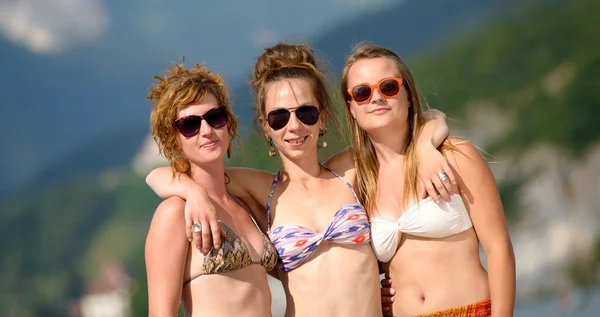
pixel 197 227
pixel 442 176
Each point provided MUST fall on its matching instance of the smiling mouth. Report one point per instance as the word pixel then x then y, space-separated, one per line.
pixel 297 141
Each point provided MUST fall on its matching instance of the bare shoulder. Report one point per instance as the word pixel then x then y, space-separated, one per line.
pixel 169 216
pixel 166 244
pixel 463 154
pixel 475 179
pixel 342 163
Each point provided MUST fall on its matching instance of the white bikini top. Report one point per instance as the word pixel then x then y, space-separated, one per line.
pixel 424 219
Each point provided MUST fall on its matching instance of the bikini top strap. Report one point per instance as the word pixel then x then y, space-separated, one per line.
pixel 345 181
pixel 275 179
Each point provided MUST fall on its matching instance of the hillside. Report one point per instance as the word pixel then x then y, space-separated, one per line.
pixel 543 76
pixel 56 240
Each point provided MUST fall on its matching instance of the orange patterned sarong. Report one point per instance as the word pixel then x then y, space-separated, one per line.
pixel 479 309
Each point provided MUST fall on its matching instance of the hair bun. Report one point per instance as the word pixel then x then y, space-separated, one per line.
pixel 283 55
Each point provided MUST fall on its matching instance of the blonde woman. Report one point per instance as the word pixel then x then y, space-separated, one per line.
pixel 431 250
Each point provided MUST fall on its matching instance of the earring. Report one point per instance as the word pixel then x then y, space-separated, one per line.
pixel 271 147
pixel 322 133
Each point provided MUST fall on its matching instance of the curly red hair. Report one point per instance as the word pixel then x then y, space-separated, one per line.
pixel 177 88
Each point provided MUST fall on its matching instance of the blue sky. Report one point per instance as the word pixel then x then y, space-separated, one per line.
pixel 229 33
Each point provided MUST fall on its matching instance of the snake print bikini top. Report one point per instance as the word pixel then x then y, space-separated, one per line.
pixel 234 254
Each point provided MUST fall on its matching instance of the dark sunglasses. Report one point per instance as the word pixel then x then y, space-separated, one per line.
pixel 189 126
pixel 279 118
pixel 389 87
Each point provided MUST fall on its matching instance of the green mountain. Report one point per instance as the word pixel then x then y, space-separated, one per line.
pixel 54 241
pixel 540 68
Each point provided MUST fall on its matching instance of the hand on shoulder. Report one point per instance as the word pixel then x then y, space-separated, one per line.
pixel 461 151
pixel 473 174
pixel 248 182
pixel 342 163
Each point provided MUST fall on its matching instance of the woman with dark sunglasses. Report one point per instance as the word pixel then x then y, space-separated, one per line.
pixel 310 211
pixel 192 123
pixel 431 250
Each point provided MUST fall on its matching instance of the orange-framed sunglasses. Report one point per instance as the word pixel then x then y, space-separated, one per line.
pixel 389 87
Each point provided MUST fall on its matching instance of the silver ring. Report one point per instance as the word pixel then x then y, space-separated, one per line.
pixel 443 176
pixel 197 227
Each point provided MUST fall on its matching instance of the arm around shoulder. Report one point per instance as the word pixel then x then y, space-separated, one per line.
pixel 165 254
pixel 342 163
pixel 476 181
pixel 162 182
pixel 249 183
pixel 435 129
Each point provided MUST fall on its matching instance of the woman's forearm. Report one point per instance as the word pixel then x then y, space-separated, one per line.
pixel 161 181
pixel 435 129
pixel 501 274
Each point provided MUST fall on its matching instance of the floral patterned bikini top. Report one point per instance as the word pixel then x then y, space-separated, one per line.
pixel 296 244
pixel 234 254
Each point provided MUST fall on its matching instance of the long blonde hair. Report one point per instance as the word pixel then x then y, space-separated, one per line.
pixel 365 157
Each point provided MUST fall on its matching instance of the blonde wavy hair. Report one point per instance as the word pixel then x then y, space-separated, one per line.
pixel 365 157
pixel 178 88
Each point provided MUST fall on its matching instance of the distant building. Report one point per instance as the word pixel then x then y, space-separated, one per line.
pixel 109 296
pixel 147 158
